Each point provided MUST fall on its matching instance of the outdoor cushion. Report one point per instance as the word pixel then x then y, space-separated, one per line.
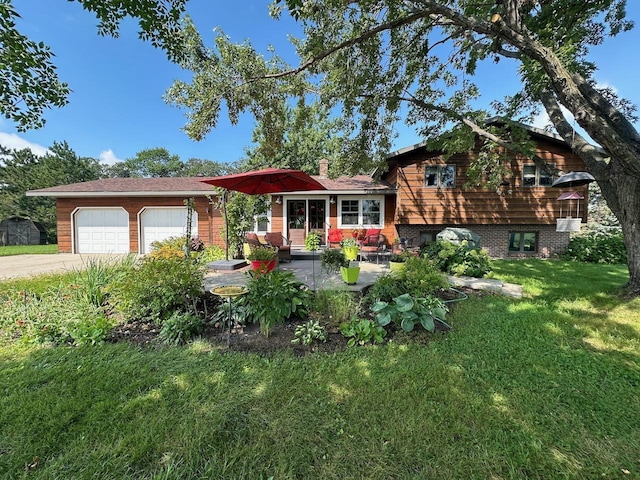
pixel 335 237
pixel 371 237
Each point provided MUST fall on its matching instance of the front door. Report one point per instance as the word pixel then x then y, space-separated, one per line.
pixel 304 216
pixel 317 217
pixel 296 221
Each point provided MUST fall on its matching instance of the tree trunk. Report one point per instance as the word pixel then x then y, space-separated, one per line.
pixel 626 189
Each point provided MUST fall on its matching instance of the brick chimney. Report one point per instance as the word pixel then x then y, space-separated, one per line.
pixel 324 167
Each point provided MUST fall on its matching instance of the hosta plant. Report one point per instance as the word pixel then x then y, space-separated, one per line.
pixel 309 332
pixel 407 311
pixel 361 331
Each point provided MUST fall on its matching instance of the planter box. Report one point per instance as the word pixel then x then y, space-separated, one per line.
pixel 350 252
pixel 568 224
pixel 263 266
pixel 397 266
pixel 350 274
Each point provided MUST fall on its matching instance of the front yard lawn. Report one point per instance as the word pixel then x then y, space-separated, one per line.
pixel 7 250
pixel 543 387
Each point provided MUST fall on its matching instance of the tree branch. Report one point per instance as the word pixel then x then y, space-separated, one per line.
pixel 348 43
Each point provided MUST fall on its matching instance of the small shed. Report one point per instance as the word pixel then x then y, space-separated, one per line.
pixel 22 231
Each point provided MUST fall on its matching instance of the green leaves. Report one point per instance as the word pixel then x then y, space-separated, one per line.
pixel 406 311
pixel 29 82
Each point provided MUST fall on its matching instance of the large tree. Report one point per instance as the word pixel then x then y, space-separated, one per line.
pixel 309 135
pixel 29 83
pixel 21 171
pixel 415 60
pixel 158 162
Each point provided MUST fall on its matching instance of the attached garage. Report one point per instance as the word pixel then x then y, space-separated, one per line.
pixel 101 230
pixel 126 215
pixel 160 223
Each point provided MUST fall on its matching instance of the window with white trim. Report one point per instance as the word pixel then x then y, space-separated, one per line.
pixel 523 241
pixel 361 212
pixel 534 176
pixel 261 223
pixel 443 176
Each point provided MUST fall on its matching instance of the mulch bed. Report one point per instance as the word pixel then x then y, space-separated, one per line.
pixel 248 338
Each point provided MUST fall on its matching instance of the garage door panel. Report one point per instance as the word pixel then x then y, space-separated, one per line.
pixel 158 224
pixel 102 230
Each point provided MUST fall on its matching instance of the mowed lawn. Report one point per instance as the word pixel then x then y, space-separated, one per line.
pixel 544 387
pixel 7 250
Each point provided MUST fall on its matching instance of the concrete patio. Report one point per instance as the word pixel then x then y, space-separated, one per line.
pixel 307 269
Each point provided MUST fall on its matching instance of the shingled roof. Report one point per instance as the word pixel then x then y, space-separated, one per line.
pixel 189 186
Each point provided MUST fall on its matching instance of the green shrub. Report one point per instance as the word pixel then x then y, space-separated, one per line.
pixel 419 278
pixel 335 306
pixel 332 259
pixel 273 298
pixel 180 327
pixel 157 287
pixel 212 253
pixel 597 247
pixel 59 315
pixel 361 331
pixel 312 241
pixel 458 259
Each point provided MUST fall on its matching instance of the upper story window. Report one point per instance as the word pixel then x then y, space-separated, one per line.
pixel 533 176
pixel 443 176
pixel 361 212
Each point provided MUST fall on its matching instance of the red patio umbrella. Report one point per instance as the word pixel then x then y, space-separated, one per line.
pixel 269 180
pixel 260 182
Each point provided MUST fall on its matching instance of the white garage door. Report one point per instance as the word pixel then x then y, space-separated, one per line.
pixel 102 230
pixel 161 223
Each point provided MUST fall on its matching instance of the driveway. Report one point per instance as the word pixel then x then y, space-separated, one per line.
pixel 15 266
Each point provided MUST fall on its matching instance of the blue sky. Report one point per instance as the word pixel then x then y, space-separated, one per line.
pixel 116 107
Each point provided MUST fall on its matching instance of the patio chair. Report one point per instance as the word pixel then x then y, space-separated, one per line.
pixel 334 237
pixel 276 239
pixel 373 244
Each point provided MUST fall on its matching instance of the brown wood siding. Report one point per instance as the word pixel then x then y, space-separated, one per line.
pixel 209 219
pixel 418 204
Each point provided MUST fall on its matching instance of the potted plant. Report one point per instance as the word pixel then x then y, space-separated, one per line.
pixel 397 261
pixel 312 242
pixel 350 273
pixel 332 259
pixel 263 259
pixel 350 248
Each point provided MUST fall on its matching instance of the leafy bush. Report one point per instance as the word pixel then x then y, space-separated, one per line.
pixel 361 331
pixel 596 247
pixel 406 311
pixel 157 287
pixel 458 259
pixel 180 327
pixel 212 253
pixel 59 315
pixel 312 241
pixel 335 306
pixel 273 298
pixel 309 332
pixel 332 259
pixel 419 278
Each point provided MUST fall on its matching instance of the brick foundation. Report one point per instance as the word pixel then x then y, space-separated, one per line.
pixel 495 238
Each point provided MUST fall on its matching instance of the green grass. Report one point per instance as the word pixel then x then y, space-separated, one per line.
pixel 546 387
pixel 27 249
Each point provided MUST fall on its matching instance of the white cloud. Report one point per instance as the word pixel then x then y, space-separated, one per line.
pixel 15 142
pixel 107 157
